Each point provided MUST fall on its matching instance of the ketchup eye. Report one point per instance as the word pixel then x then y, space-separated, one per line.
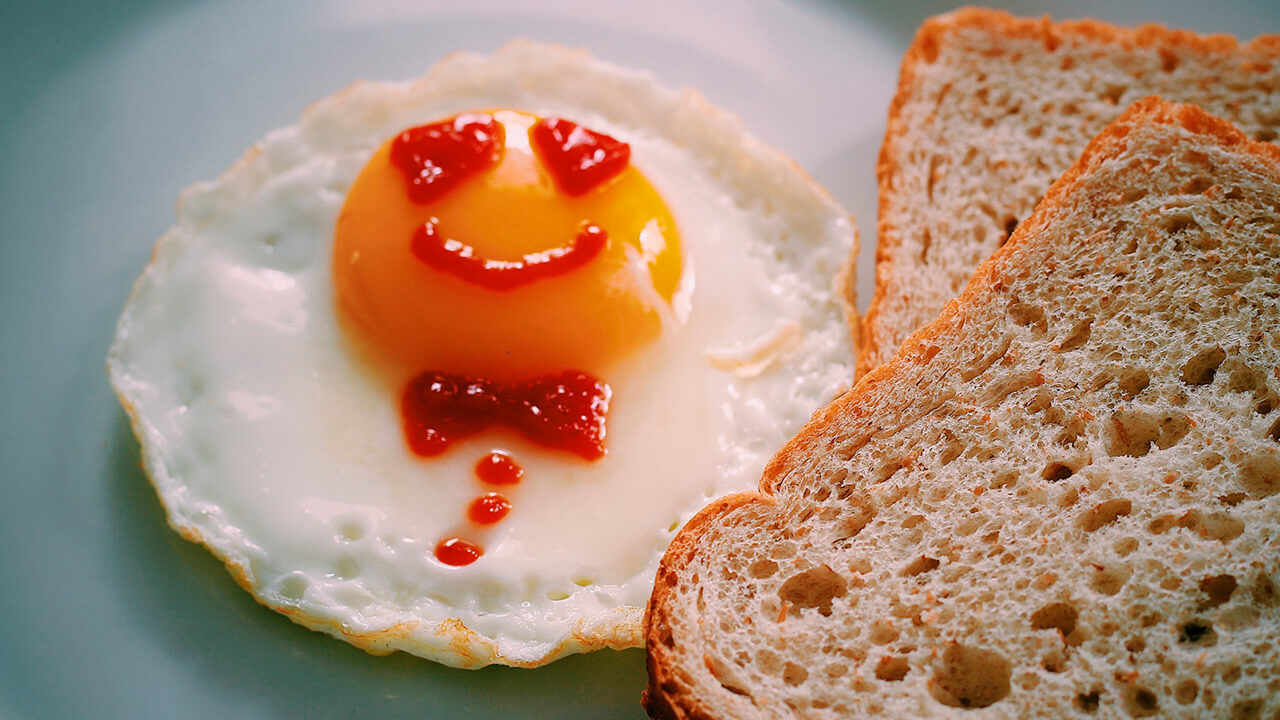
pixel 578 158
pixel 434 158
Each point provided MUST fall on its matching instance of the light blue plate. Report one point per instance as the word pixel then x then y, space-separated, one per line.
pixel 106 113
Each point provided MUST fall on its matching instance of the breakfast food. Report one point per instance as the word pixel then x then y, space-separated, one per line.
pixel 991 109
pixel 443 367
pixel 1061 498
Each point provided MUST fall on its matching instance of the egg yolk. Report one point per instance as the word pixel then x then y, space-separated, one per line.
pixel 583 318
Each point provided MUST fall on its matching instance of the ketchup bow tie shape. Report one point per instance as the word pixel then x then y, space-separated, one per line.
pixel 565 411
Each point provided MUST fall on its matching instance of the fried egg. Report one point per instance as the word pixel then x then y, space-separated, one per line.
pixel 267 354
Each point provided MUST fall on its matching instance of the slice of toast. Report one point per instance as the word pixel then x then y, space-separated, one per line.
pixel 991 109
pixel 1059 499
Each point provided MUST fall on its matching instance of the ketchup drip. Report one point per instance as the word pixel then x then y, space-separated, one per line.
pixel 488 509
pixel 457 552
pixel 499 468
pixel 565 411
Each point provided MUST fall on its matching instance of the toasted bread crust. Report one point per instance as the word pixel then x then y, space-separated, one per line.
pixel 669 694
pixel 876 345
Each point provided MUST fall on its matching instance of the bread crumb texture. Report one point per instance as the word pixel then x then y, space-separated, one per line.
pixel 1061 499
pixel 991 109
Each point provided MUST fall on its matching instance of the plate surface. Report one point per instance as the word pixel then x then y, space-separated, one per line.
pixel 106 113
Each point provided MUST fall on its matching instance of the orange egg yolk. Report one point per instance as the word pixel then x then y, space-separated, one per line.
pixel 582 319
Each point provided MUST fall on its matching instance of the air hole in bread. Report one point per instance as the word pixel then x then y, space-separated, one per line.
pixel 783 550
pixel 1185 692
pixel 1196 186
pixel 1217 589
pixel 1088 702
pixel 857 518
pixel 1054 660
pixel 1265 406
pixel 1028 315
pixel 1139 701
pixel 1131 433
pixel 1232 499
pixel 1197 632
pixel 1260 475
pixel 892 668
pixel 1068 497
pixel 1265 135
pixel 793 674
pixel 1112 92
pixel 1010 225
pixel 970 677
pixel 1135 644
pixel 1132 380
pixel 883 632
pixel 1004 479
pixel 926 242
pixel 1250 709
pixel 762 569
pixel 1104 513
pixel 1078 335
pixel 1133 195
pixel 1211 525
pixel 1273 432
pixel 726 675
pixel 1172 428
pixel 1201 368
pixel 933 178
pixel 887 470
pixel 1055 472
pixel 919 566
pixel 1058 616
pixel 1125 546
pixel 1107 579
pixel 813 588
pixel 1264 591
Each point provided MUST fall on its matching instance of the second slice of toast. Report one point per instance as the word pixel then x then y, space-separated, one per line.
pixel 991 109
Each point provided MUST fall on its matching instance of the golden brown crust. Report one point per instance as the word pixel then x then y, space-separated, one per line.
pixel 667 696
pixel 924 49
pixel 664 684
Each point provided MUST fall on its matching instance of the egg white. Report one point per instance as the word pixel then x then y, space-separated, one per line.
pixel 271 439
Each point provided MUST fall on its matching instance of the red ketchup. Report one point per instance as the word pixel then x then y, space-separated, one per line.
pixel 499 468
pixel 457 552
pixel 463 261
pixel 578 158
pixel 488 509
pixel 565 411
pixel 434 158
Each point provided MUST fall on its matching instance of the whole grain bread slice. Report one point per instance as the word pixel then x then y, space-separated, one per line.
pixel 1059 499
pixel 991 109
